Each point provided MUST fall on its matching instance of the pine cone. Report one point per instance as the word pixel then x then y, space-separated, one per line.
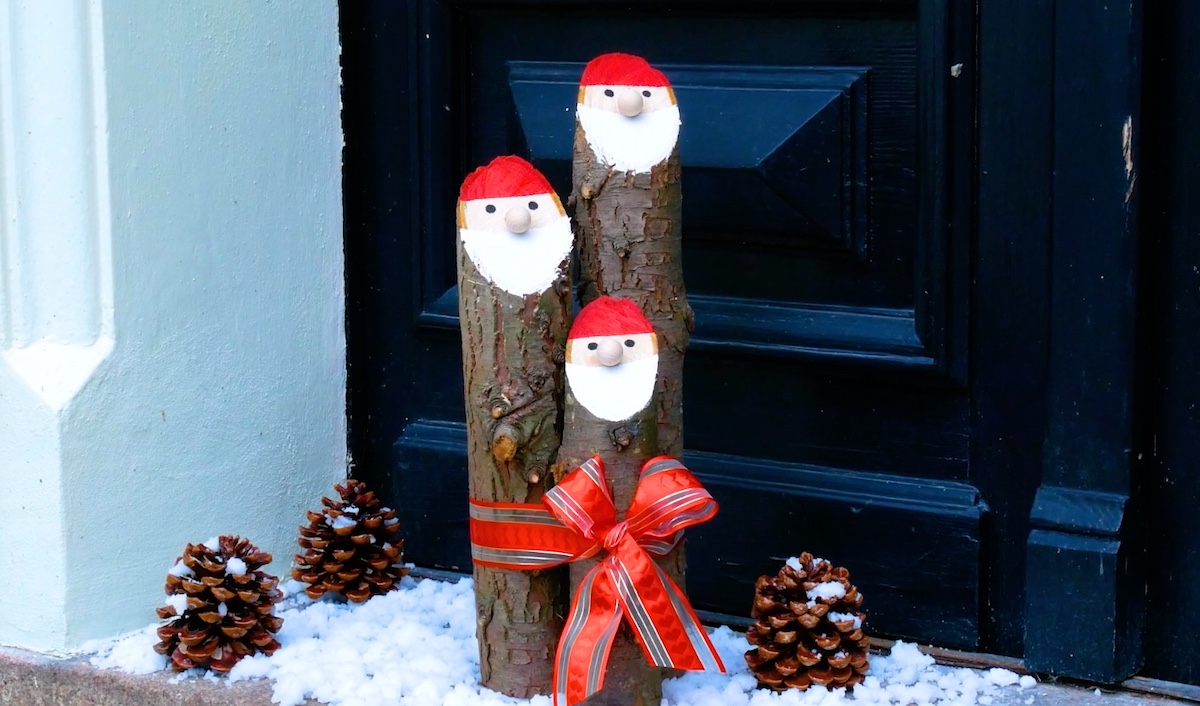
pixel 352 548
pixel 808 628
pixel 220 606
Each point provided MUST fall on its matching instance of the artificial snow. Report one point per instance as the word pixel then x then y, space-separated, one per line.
pixel 133 653
pixel 178 601
pixel 340 521
pixel 827 590
pixel 416 646
pixel 235 567
pixel 181 569
pixel 843 617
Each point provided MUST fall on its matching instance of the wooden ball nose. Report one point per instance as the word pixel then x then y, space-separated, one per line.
pixel 630 103
pixel 517 219
pixel 609 352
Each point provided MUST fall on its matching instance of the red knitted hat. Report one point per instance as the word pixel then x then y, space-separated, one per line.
pixel 609 316
pixel 622 70
pixel 503 177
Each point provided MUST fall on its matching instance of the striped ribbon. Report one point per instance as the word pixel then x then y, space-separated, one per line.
pixel 578 520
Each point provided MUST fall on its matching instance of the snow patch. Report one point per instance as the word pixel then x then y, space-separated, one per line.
pixel 841 617
pixel 340 521
pixel 133 653
pixel 235 567
pixel 180 570
pixel 178 601
pixel 827 590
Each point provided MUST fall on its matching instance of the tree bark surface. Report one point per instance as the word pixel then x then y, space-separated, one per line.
pixel 624 447
pixel 629 236
pixel 512 374
pixel 628 231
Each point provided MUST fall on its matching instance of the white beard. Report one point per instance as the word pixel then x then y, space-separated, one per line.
pixel 520 264
pixel 617 393
pixel 630 144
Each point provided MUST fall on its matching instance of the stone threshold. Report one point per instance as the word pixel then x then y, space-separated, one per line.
pixel 32 679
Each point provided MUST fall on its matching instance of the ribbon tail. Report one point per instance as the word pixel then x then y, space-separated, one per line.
pixel 663 621
pixel 703 654
pixel 587 638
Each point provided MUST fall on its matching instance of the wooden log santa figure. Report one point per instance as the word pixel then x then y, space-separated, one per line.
pixel 627 201
pixel 613 518
pixel 514 249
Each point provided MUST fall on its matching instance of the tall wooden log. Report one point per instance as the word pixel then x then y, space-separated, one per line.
pixel 512 344
pixel 623 445
pixel 627 205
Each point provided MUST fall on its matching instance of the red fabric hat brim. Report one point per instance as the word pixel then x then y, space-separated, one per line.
pixel 504 177
pixel 622 70
pixel 609 316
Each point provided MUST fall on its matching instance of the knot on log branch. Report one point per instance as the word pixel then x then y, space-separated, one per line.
pixel 506 439
pixel 623 435
pixel 535 473
pixel 621 245
pixel 498 407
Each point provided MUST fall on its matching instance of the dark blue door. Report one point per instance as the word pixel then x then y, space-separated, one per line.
pixel 1171 340
pixel 869 223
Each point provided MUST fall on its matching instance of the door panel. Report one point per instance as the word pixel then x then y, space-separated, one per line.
pixel 827 156
pixel 1171 482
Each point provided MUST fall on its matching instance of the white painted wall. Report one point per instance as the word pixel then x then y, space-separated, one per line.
pixel 172 352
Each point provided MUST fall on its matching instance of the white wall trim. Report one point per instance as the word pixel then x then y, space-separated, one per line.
pixel 56 302
pixel 172 331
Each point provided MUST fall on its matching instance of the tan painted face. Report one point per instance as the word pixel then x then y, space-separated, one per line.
pixel 629 101
pixel 610 351
pixel 513 214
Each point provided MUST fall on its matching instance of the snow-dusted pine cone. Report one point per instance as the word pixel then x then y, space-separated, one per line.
pixel 352 548
pixel 220 606
pixel 808 628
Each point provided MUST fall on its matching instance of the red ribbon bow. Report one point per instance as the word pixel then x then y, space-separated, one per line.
pixel 578 520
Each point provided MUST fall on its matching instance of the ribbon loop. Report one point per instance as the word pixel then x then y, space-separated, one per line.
pixel 578 521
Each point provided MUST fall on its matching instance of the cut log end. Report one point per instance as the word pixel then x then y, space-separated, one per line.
pixel 505 442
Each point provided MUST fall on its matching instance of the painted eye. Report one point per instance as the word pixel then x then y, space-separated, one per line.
pixel 629 343
pixel 608 92
pixel 646 93
pixel 533 205
pixel 593 346
pixel 490 208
